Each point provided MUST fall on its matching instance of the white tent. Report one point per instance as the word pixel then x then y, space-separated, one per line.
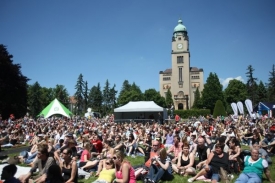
pixel 134 110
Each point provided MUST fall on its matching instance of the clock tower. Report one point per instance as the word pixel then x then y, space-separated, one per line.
pixel 180 66
pixel 181 79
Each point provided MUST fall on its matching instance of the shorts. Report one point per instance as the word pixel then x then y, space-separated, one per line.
pixel 211 175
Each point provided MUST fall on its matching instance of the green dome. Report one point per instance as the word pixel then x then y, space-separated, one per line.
pixel 180 27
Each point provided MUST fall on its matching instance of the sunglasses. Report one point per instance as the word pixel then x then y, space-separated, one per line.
pixel 155 145
pixel 108 163
pixel 64 153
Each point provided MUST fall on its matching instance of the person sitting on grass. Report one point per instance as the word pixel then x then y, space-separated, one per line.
pixel 214 162
pixel 8 173
pixel 107 174
pixel 254 167
pixel 124 171
pixel 185 162
pixel 42 163
pixel 54 175
pixel 161 168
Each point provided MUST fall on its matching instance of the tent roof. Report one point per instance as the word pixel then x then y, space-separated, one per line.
pixel 264 106
pixel 140 106
pixel 55 107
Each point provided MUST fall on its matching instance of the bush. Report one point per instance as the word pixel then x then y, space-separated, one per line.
pixel 192 112
pixel 219 109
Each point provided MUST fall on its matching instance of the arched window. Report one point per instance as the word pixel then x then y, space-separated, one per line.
pixel 180 106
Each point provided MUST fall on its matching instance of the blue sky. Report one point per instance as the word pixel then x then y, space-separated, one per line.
pixel 55 41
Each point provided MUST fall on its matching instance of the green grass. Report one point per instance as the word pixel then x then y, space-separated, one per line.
pixel 177 178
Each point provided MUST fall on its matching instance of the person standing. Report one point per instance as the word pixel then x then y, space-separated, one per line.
pixel 160 119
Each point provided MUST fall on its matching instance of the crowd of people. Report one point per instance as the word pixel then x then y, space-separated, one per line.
pixel 202 148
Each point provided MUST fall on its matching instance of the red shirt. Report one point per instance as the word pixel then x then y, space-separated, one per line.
pixel 98 145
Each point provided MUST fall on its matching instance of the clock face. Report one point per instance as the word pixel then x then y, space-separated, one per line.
pixel 180 46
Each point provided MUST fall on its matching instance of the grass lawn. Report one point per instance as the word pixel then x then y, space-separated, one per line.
pixel 177 178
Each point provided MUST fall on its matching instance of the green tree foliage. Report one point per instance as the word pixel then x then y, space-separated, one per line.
pixel 261 93
pixel 197 102
pixel 113 103
pixel 126 86
pixel 85 96
pixel 61 94
pixel 130 94
pixel 79 94
pixel 35 100
pixel 168 98
pixel 106 97
pixel 153 95
pixel 13 86
pixel 95 98
pixel 271 85
pixel 235 91
pixel 47 95
pixel 212 92
pixel 251 84
pixel 219 109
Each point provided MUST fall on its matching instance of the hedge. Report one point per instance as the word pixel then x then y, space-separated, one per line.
pixel 192 112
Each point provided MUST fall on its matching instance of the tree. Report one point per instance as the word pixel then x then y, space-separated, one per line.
pixel 47 95
pixel 130 94
pixel 85 96
pixel 271 85
pixel 197 102
pixel 79 93
pixel 95 98
pixel 61 94
pixel 13 86
pixel 261 93
pixel 219 109
pixel 112 96
pixel 168 98
pixel 251 84
pixel 212 92
pixel 235 91
pixel 126 86
pixel 152 95
pixel 34 99
pixel 106 97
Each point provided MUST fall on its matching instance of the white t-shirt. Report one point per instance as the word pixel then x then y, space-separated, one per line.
pixel 264 162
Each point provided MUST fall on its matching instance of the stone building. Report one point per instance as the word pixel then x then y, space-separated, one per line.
pixel 181 79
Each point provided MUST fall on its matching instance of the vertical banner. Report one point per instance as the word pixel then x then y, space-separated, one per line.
pixel 240 107
pixel 234 108
pixel 248 104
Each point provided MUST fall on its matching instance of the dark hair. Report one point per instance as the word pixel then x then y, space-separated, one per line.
pixel 43 149
pixel 221 140
pixel 11 169
pixel 219 146
pixel 69 151
pixel 61 141
pixel 54 174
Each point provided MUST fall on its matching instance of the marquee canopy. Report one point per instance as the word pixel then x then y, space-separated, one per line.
pixel 55 107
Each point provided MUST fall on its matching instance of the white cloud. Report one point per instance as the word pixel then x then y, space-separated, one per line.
pixel 225 82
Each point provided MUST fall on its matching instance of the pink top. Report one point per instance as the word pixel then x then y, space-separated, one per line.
pixel 132 177
pixel 85 152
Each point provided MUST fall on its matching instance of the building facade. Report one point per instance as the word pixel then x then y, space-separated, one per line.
pixel 181 79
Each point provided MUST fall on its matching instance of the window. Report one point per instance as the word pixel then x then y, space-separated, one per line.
pixel 195 77
pixel 179 38
pixel 166 78
pixel 180 59
pixel 180 73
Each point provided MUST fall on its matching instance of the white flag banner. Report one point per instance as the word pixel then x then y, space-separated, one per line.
pixel 248 104
pixel 234 108
pixel 240 107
